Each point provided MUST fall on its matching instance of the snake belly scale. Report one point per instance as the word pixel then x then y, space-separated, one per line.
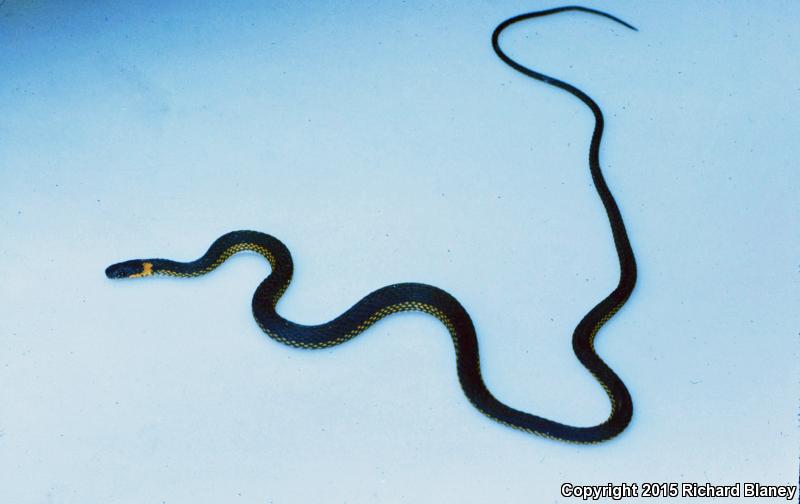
pixel 434 301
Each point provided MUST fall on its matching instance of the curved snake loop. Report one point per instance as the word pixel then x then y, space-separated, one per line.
pixel 435 301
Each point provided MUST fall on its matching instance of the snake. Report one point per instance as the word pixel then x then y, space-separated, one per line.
pixel 432 300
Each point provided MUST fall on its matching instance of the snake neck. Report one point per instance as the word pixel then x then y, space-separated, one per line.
pixel 225 247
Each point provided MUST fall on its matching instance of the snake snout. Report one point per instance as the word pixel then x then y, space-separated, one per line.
pixel 126 269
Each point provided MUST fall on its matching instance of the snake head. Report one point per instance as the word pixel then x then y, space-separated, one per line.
pixel 130 269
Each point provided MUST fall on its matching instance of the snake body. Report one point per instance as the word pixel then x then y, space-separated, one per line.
pixel 435 301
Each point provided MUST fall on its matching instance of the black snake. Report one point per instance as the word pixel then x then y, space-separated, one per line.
pixel 435 301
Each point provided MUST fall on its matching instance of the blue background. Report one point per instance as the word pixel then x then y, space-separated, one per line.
pixel 384 142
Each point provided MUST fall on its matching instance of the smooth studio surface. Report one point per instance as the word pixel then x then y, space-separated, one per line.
pixel 388 144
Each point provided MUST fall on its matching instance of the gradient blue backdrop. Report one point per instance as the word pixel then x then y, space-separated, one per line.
pixel 384 142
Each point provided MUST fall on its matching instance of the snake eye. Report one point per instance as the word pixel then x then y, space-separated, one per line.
pixel 129 269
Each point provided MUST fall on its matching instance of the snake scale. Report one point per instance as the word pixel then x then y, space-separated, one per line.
pixel 435 301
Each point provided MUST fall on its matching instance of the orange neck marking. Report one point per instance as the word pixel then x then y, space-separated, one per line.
pixel 147 270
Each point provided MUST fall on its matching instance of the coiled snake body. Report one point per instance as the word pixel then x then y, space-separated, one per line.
pixel 435 301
